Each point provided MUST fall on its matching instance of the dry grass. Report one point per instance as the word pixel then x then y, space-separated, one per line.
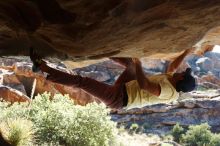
pixel 126 139
pixel 17 131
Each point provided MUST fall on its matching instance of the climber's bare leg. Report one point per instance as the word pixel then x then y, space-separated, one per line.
pixel 111 95
pixel 124 61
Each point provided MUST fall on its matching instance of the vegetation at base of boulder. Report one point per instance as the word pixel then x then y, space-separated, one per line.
pixel 177 132
pixel 196 135
pixel 215 140
pixel 18 132
pixel 60 122
pixel 134 128
pixel 168 138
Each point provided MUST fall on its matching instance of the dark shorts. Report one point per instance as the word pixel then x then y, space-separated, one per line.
pixel 125 98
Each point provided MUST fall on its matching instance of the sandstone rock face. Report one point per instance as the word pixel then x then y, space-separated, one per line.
pixel 12 81
pixel 12 95
pixel 94 29
pixel 17 84
pixel 205 63
pixel 205 68
pixel 162 117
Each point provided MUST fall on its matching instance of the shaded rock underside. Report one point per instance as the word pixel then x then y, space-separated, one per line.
pixel 95 29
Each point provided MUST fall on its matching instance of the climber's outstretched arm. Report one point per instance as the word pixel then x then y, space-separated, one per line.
pixel 176 62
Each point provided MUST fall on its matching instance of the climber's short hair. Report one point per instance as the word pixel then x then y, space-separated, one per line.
pixel 188 83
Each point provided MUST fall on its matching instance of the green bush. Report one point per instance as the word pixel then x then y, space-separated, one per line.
pixel 168 137
pixel 133 128
pixel 177 132
pixel 215 140
pixel 199 135
pixel 59 121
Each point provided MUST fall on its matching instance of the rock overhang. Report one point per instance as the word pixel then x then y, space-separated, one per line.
pixel 97 29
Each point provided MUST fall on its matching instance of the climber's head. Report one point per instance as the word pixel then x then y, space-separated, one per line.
pixel 185 82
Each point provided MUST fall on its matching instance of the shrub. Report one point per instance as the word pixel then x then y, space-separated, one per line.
pixel 13 111
pixel 198 135
pixel 133 128
pixel 59 121
pixel 168 137
pixel 177 132
pixel 215 140
pixel 19 132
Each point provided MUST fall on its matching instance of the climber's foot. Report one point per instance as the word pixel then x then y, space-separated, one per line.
pixel 36 59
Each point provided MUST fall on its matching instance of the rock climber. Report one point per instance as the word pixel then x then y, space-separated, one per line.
pixel 133 89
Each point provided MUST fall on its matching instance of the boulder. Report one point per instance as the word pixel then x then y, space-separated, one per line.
pixel 11 80
pixel 209 78
pixel 215 57
pixel 25 75
pixel 205 64
pixel 189 103
pixel 154 65
pixel 98 75
pixel 20 77
pixel 12 95
pixel 212 55
pixel 186 112
pixel 85 30
pixel 208 85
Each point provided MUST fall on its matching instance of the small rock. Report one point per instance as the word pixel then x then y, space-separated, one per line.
pixel 188 103
pixel 205 64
